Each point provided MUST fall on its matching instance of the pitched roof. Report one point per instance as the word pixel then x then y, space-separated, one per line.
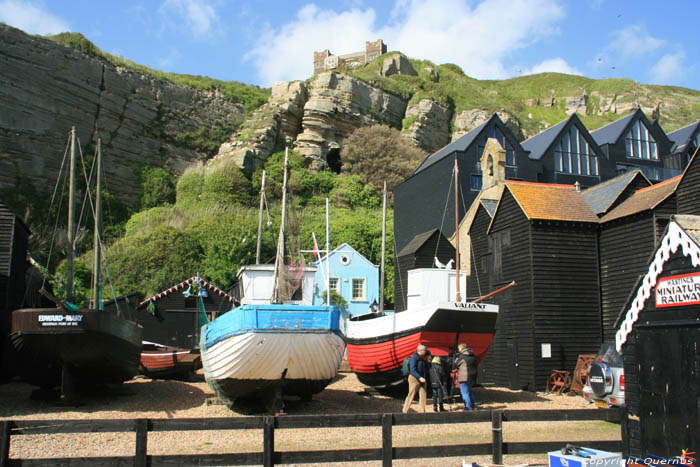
pixel 644 199
pixel 490 205
pixel 186 283
pixel 601 196
pixel 340 249
pixel 461 144
pixel 538 144
pixel 417 242
pixel 611 132
pixel 682 136
pixel 689 224
pixel 547 201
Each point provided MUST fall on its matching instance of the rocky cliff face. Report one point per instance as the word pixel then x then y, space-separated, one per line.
pixel 429 125
pixel 275 124
pixel 46 88
pixel 337 105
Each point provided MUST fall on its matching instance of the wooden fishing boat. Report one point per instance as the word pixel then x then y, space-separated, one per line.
pixel 70 346
pixel 276 342
pixel 163 361
pixel 436 316
pixel 268 350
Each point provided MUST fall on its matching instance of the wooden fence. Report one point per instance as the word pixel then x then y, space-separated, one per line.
pixel 269 424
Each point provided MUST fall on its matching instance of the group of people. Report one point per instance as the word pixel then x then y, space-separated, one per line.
pixel 423 367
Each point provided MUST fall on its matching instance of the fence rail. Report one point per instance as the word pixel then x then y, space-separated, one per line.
pixel 269 424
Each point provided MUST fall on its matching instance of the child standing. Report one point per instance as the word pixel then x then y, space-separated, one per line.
pixel 437 376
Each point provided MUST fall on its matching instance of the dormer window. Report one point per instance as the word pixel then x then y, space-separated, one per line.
pixel 573 154
pixel 494 132
pixel 639 142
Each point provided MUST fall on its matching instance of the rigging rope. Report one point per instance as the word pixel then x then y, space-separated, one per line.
pixel 444 213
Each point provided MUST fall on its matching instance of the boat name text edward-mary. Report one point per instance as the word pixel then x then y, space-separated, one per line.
pixel 60 320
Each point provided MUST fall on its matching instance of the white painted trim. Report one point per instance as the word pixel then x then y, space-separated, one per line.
pixel 675 237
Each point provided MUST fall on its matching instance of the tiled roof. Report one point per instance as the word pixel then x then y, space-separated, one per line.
pixel 611 132
pixel 546 201
pixel 417 242
pixel 601 196
pixel 186 283
pixel 682 136
pixel 538 144
pixel 646 198
pixel 461 144
pixel 690 225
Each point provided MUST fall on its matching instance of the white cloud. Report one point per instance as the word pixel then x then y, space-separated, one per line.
pixel 631 43
pixel 167 61
pixel 200 16
pixel 553 65
pixel 669 69
pixel 31 17
pixel 478 37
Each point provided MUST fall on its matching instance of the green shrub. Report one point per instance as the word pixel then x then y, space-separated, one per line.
pixel 157 187
pixel 226 184
pixel 189 186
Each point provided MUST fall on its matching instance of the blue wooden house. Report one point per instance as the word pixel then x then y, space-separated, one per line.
pixel 352 275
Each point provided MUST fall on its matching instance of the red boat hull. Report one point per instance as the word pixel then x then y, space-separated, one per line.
pixel 163 362
pixel 377 347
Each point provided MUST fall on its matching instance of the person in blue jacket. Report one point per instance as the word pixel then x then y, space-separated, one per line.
pixel 418 372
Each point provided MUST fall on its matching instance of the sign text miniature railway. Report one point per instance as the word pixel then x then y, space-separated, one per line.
pixel 678 290
pixel 60 320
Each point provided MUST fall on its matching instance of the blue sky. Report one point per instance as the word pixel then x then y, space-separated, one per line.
pixel 259 42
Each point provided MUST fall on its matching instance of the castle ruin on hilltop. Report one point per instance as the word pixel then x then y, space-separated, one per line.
pixel 324 60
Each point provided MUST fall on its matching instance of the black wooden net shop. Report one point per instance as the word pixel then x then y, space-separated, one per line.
pixel 544 237
pixel 14 237
pixel 658 333
pixel 171 316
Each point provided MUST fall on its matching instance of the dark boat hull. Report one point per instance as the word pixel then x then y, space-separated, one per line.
pixel 94 346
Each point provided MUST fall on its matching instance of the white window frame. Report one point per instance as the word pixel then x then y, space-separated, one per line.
pixel 364 289
pixel 337 284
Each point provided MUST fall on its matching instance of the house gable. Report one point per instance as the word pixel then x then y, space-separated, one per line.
pixel 676 239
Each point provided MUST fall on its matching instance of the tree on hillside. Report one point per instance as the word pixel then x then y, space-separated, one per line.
pixel 378 153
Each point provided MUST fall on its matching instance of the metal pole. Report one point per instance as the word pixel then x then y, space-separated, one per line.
pixel 381 266
pixel 97 234
pixel 71 219
pixel 458 296
pixel 280 239
pixel 260 219
pixel 328 258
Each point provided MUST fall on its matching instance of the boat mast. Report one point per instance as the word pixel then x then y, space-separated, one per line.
pixel 71 220
pixel 280 240
pixel 97 234
pixel 381 266
pixel 260 219
pixel 328 258
pixel 458 296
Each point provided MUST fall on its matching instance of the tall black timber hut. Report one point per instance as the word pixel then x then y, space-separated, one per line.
pixel 628 235
pixel 420 252
pixel 658 333
pixel 543 236
pixel 14 237
pixel 171 317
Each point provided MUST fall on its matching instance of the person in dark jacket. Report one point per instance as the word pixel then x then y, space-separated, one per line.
pixel 437 376
pixel 418 372
pixel 466 373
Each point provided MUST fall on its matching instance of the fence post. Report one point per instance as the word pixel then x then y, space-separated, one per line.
pixel 140 456
pixel 5 433
pixel 268 441
pixel 387 449
pixel 497 436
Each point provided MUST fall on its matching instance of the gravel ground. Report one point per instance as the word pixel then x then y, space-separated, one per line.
pixel 146 398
